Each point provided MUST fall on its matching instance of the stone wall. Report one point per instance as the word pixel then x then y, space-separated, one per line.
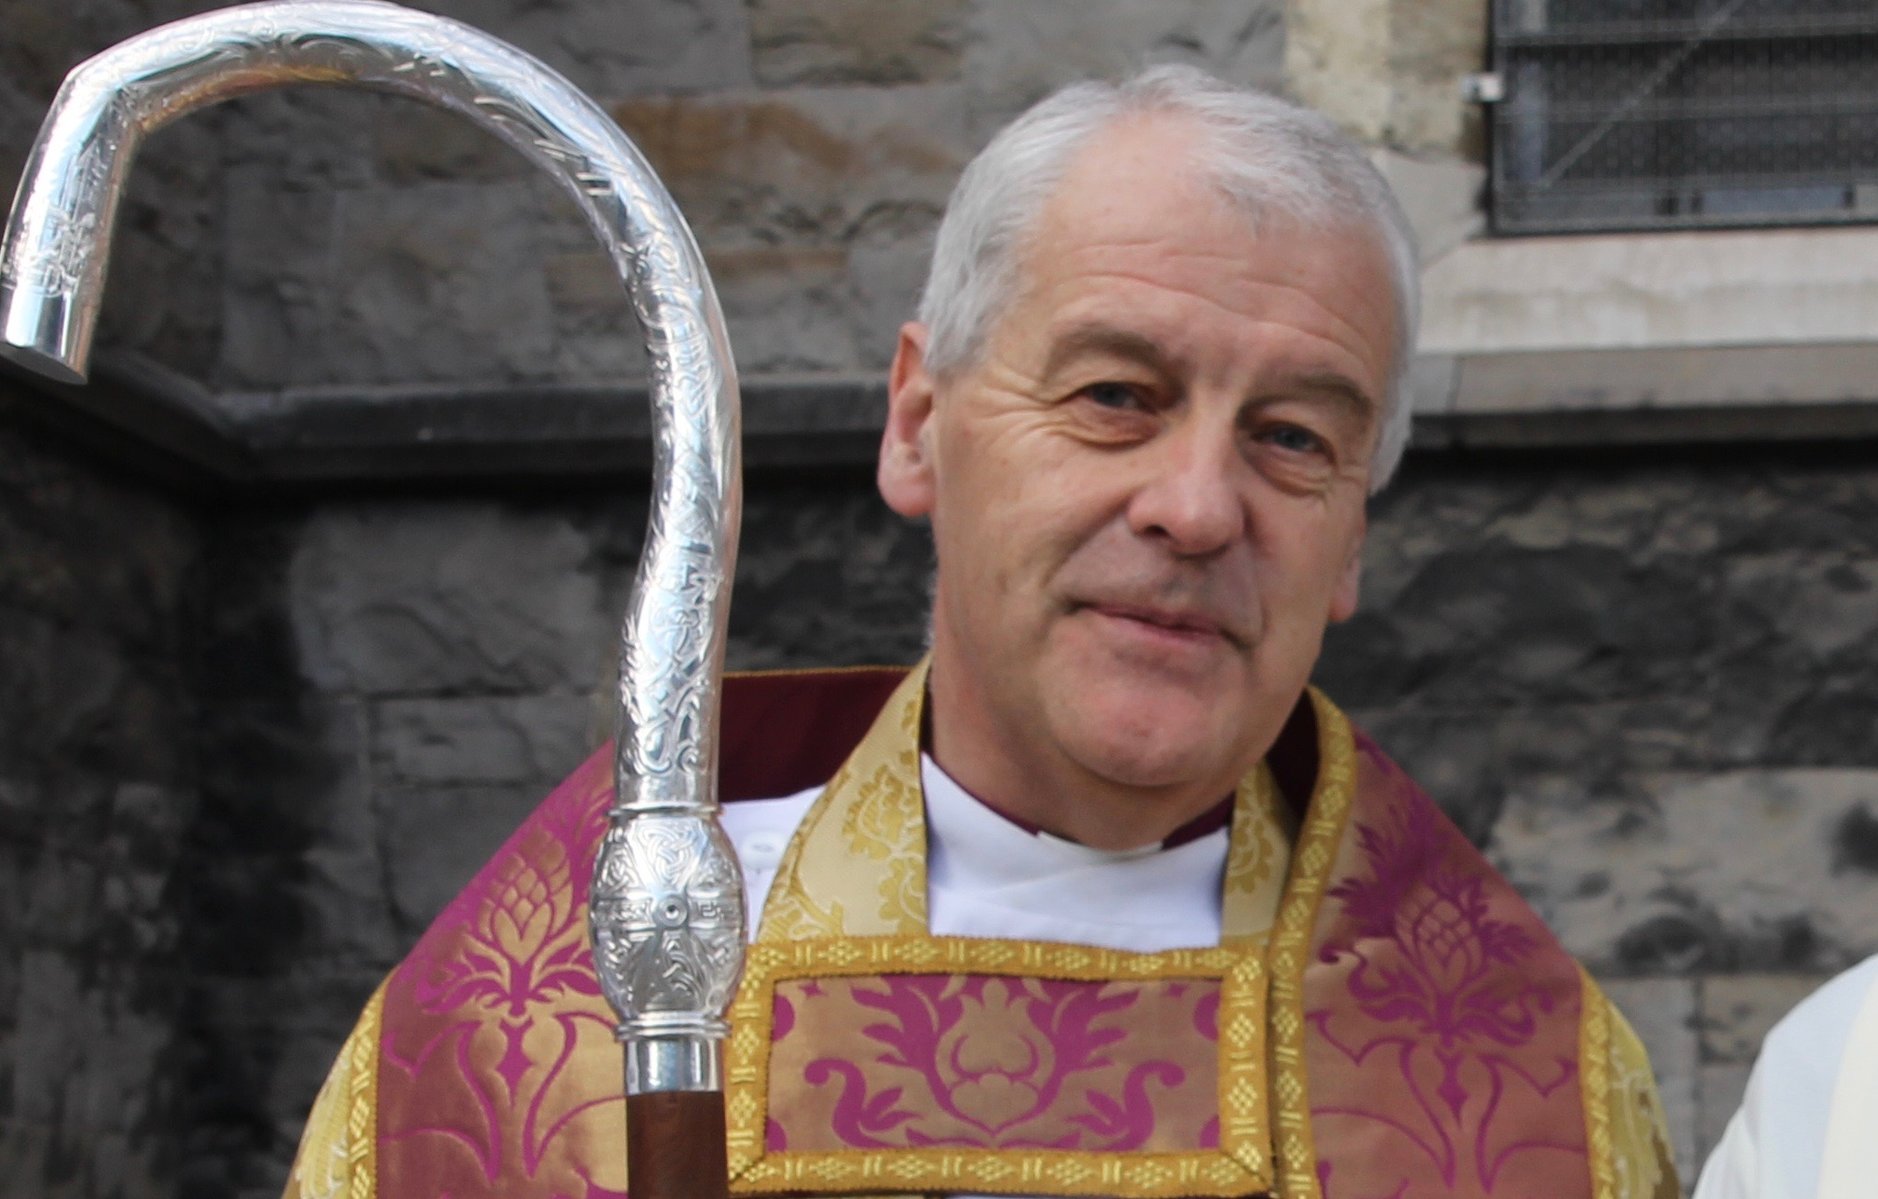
pixel 1641 684
pixel 98 790
pixel 342 239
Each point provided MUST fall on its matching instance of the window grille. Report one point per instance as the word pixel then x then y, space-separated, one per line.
pixel 1655 114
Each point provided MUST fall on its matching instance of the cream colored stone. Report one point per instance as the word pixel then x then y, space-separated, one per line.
pixel 1433 46
pixel 1616 380
pixel 1721 1090
pixel 1738 1011
pixel 1440 195
pixel 1390 71
pixel 1735 866
pixel 1337 61
pixel 1623 291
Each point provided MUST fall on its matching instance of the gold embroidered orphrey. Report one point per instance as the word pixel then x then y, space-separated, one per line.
pixel 826 918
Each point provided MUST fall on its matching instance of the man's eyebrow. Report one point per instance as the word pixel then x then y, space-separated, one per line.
pixel 1097 337
pixel 1101 338
pixel 1338 387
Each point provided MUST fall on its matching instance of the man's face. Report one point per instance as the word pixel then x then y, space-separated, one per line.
pixel 1148 493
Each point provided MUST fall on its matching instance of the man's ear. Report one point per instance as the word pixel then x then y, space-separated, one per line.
pixel 907 474
pixel 1343 600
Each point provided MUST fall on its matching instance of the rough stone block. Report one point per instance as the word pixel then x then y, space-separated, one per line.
pixel 803 165
pixel 794 309
pixel 80 1057
pixel 414 143
pixel 1825 604
pixel 278 307
pixel 813 207
pixel 1433 44
pixel 390 599
pixel 1336 59
pixel 62 900
pixel 1440 195
pixel 1019 52
pixel 611 50
pixel 375 284
pixel 441 282
pixel 437 838
pixel 1570 625
pixel 1663 1013
pixel 311 1020
pixel 21 805
pixel 1744 870
pixel 867 42
pixel 25 1146
pixel 805 543
pixel 534 739
pixel 1738 1011
pixel 1470 757
pixel 287 838
pixel 88 547
pixel 1722 1089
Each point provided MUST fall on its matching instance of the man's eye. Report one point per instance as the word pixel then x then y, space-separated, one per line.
pixel 1114 395
pixel 1293 439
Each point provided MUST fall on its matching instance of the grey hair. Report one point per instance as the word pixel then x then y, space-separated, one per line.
pixel 1266 154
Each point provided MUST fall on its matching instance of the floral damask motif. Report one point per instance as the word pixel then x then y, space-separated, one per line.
pixel 992 1062
pixel 1433 912
pixel 1450 999
pixel 515 938
pixel 505 990
pixel 880 822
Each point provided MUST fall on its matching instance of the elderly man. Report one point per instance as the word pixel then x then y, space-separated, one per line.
pixel 1100 899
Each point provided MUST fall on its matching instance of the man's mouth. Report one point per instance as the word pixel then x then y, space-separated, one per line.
pixel 1181 622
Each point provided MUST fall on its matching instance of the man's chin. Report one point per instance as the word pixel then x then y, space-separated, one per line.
pixel 1137 742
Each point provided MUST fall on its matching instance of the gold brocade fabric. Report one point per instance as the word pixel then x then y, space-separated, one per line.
pixel 1384 1016
pixel 1642 1165
pixel 987 1065
pixel 857 863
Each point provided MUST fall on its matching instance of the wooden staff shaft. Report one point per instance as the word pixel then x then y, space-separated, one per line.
pixel 675 1145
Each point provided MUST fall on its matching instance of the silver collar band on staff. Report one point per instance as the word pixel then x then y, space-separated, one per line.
pixel 667 906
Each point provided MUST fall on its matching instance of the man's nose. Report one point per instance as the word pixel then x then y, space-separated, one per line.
pixel 1192 495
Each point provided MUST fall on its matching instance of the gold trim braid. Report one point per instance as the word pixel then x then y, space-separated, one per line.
pixel 1641 1161
pixel 1594 1088
pixel 338 1157
pixel 1240 1166
pixel 1311 861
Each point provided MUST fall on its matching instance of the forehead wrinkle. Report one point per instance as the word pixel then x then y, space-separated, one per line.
pixel 1310 294
pixel 1095 335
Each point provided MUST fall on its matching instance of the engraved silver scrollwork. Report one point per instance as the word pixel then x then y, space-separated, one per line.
pixel 667 909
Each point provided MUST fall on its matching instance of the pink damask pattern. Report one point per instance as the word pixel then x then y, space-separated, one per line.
pixel 976 1061
pixel 1445 1055
pixel 497 1070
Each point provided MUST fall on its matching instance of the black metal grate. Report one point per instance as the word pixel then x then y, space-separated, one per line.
pixel 1651 114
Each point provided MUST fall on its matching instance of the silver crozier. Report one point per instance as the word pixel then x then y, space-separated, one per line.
pixel 667 909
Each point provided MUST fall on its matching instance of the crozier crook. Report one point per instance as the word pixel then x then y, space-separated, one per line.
pixel 667 909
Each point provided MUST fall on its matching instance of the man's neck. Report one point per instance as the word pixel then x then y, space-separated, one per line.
pixel 1050 793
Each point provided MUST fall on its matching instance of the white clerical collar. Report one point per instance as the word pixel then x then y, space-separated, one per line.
pixel 987 876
